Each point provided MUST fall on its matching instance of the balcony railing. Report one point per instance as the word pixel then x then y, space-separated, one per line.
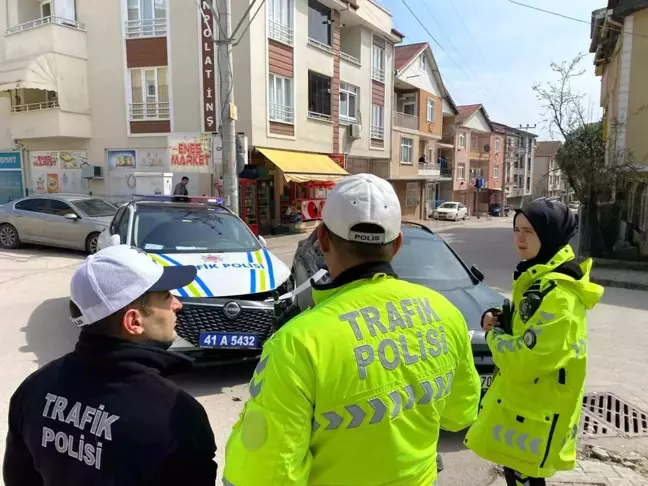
pixel 378 74
pixel 146 28
pixel 281 113
pixel 150 111
pixel 406 121
pixel 377 132
pixel 477 155
pixel 44 21
pixel 45 105
pixel 280 32
pixel 350 58
pixel 429 169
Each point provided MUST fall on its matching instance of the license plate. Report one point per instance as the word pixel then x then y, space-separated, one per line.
pixel 486 381
pixel 228 340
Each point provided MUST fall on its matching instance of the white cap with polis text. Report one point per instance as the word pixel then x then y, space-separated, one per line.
pixel 363 199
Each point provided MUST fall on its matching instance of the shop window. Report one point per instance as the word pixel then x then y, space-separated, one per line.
pixel 319 96
pixel 412 194
pixel 407 150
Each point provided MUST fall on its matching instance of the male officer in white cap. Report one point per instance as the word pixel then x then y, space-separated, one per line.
pixel 354 390
pixel 103 414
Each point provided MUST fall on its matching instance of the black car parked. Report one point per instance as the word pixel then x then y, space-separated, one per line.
pixel 428 260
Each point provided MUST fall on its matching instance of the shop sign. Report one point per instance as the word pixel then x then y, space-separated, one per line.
pixel 207 66
pixel 339 159
pixel 122 159
pixel 47 160
pixel 73 160
pixel 191 152
pixel 153 158
pixel 10 161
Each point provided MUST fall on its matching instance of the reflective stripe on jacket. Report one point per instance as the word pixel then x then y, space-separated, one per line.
pixel 354 390
pixel 529 418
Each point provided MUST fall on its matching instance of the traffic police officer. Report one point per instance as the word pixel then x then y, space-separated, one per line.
pixel 354 390
pixel 530 415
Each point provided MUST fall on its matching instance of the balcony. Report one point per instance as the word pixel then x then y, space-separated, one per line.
pixel 46 35
pixel 478 155
pixel 137 29
pixel 150 111
pixel 47 120
pixel 429 170
pixel 404 120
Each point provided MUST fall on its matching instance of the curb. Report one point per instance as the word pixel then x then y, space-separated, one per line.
pixel 620 284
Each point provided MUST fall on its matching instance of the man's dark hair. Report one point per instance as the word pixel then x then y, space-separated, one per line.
pixel 364 252
pixel 185 178
pixel 111 325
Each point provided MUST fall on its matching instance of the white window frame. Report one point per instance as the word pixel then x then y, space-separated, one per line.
pixel 350 91
pixel 495 172
pixel 431 104
pixel 281 21
pixel 461 170
pixel 377 121
pixel 153 27
pixel 408 144
pixel 160 110
pixel 462 140
pixel 281 109
pixel 378 63
pixel 423 63
pixel 412 193
pixel 497 144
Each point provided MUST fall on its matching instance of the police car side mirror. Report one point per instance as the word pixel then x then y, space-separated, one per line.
pixel 477 273
pixel 115 240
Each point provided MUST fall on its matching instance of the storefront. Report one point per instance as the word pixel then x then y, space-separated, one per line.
pixel 295 188
pixel 57 171
pixel 11 177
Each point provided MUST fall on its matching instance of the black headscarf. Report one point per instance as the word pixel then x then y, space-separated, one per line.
pixel 554 224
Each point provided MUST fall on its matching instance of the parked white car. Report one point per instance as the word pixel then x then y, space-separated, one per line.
pixel 451 210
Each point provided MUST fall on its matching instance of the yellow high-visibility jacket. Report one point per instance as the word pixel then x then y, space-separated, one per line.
pixel 529 418
pixel 354 390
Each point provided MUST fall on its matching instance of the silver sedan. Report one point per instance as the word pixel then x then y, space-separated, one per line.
pixel 66 221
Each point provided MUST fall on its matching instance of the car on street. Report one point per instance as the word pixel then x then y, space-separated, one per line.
pixel 65 221
pixel 451 210
pixel 228 311
pixel 425 259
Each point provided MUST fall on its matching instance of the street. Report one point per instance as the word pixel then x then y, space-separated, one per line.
pixel 34 285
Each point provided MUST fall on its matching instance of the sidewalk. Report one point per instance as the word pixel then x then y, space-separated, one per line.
pixel 620 277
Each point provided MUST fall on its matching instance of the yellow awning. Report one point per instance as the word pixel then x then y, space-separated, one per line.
pixel 305 167
pixel 32 73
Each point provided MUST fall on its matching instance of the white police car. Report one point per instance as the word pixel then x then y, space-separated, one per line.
pixel 227 314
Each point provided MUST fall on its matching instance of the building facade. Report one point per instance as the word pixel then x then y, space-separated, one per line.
pixel 547 179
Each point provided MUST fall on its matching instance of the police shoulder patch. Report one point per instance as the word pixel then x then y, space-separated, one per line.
pixel 529 305
pixel 529 338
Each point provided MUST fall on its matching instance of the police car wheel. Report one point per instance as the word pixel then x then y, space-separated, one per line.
pixel 9 237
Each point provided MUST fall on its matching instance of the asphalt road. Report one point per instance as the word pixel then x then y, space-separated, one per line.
pixel 35 330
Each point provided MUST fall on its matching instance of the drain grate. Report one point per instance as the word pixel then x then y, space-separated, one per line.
pixel 608 409
pixel 592 426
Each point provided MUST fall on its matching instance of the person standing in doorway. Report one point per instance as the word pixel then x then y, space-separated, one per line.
pixel 181 190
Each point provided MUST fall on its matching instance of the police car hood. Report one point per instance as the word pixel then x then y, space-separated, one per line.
pixel 228 274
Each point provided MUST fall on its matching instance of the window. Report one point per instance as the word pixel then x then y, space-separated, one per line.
pixel 407 104
pixel 280 99
pixel 319 23
pixel 378 63
pixel 462 141
pixel 59 208
pixel 407 150
pixel 461 170
pixel 348 102
pixel 473 143
pixel 122 227
pixel 497 144
pixel 377 122
pixel 149 94
pixel 33 205
pixel 412 194
pixel 280 20
pixel 319 96
pixel 431 111
pixel 495 172
pixel 423 63
pixel 146 18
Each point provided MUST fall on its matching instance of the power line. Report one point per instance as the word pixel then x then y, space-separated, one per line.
pixel 466 28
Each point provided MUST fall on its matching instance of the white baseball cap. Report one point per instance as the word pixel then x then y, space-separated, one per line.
pixel 113 278
pixel 363 199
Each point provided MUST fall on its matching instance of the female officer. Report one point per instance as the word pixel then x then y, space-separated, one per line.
pixel 528 420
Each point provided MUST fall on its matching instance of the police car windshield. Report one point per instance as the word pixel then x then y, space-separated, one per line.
pixel 191 230
pixel 428 260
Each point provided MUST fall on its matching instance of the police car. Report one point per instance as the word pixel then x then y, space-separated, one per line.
pixel 227 311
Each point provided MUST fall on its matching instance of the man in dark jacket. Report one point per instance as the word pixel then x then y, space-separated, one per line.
pixel 103 414
pixel 181 190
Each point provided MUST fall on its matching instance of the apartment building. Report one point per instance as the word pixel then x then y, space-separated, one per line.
pixel 618 35
pixel 420 102
pixel 314 83
pixel 547 179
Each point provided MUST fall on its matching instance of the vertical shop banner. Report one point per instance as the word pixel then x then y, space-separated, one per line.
pixel 122 159
pixel 153 158
pixel 207 64
pixel 191 152
pixel 339 159
pixel 53 183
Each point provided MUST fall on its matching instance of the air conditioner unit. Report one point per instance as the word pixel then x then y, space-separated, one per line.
pixel 486 148
pixel 354 130
pixel 91 171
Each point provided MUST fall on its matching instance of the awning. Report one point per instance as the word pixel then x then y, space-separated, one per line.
pixel 305 167
pixel 32 73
